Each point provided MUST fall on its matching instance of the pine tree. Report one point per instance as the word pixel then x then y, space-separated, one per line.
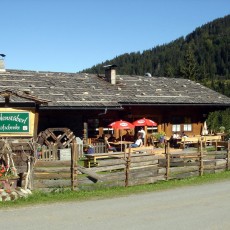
pixel 189 69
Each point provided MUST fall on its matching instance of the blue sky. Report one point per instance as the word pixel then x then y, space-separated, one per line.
pixel 71 35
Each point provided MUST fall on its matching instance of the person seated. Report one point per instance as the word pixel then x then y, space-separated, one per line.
pixel 109 147
pixel 90 149
pixel 137 143
pixel 176 136
pixel 183 134
pixel 111 138
pixel 101 138
pixel 127 136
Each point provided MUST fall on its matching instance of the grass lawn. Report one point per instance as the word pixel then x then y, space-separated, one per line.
pixel 102 193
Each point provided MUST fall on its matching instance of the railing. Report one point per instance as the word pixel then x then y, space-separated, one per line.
pixel 52 152
pixel 48 154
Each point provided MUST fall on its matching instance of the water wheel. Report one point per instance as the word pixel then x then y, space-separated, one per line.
pixel 62 137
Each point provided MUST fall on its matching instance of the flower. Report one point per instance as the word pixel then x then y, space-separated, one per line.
pixel 7 172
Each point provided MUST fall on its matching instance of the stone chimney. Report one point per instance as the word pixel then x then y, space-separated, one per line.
pixel 110 73
pixel 2 66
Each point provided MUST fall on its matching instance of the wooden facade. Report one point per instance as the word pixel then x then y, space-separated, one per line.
pixel 164 116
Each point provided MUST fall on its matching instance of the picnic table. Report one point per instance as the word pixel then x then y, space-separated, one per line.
pixel 120 145
pixel 92 158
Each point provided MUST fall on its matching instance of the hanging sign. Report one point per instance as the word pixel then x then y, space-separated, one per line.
pixel 14 122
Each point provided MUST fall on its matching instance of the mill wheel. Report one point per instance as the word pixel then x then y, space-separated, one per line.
pixel 62 137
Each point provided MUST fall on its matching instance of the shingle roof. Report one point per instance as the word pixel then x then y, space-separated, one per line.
pixel 90 90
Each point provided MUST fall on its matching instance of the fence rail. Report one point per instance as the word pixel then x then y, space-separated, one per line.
pixel 130 169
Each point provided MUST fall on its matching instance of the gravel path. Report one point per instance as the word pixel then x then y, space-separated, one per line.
pixel 195 207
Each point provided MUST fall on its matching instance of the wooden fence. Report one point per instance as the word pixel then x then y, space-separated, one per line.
pixel 128 169
pixel 54 171
pixel 142 168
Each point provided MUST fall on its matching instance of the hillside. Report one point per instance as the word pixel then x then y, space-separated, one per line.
pixel 203 56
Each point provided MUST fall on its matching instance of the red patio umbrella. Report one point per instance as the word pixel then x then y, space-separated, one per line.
pixel 121 125
pixel 144 122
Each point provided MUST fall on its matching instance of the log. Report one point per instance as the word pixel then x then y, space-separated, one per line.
pixel 108 162
pixel 52 183
pixel 213 167
pixel 184 175
pixel 148 168
pixel 143 164
pixel 221 162
pixel 147 180
pixel 145 158
pixel 161 171
pixel 55 163
pixel 52 176
pixel 114 176
pixel 108 168
pixel 183 169
pixel 90 173
pixel 51 169
pixel 144 174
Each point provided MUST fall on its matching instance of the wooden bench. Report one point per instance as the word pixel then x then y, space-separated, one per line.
pixel 193 141
pixel 209 140
pixel 189 142
pixel 92 158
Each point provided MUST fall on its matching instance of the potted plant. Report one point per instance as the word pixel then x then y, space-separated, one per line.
pixel 222 129
pixel 159 137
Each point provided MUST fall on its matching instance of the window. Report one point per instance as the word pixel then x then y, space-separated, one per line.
pixel 176 128
pixel 187 127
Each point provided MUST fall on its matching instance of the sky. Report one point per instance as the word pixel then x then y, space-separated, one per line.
pixel 72 35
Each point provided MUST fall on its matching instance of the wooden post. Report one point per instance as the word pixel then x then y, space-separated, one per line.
pixel 127 168
pixel 228 155
pixel 201 171
pixel 74 158
pixel 85 133
pixel 167 157
pixel 146 135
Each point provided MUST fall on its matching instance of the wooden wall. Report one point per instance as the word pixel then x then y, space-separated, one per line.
pixel 74 119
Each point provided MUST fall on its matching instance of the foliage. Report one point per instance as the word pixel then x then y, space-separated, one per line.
pixel 7 172
pixel 189 68
pixel 202 55
pixel 158 136
pixel 219 121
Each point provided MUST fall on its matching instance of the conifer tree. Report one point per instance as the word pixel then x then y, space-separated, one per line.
pixel 189 69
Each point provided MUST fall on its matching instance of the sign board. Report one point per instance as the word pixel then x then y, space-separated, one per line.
pixel 14 122
pixel 65 154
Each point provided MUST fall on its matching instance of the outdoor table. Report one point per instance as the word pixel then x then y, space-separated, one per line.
pixel 119 144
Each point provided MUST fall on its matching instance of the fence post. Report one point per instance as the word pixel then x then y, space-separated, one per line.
pixel 127 168
pixel 167 158
pixel 201 171
pixel 74 158
pixel 228 155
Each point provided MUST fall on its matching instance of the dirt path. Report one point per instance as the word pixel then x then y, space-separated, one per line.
pixel 197 207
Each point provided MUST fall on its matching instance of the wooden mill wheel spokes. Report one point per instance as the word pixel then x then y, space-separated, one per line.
pixel 62 137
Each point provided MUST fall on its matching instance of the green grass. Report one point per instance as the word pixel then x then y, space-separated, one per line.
pixel 102 193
